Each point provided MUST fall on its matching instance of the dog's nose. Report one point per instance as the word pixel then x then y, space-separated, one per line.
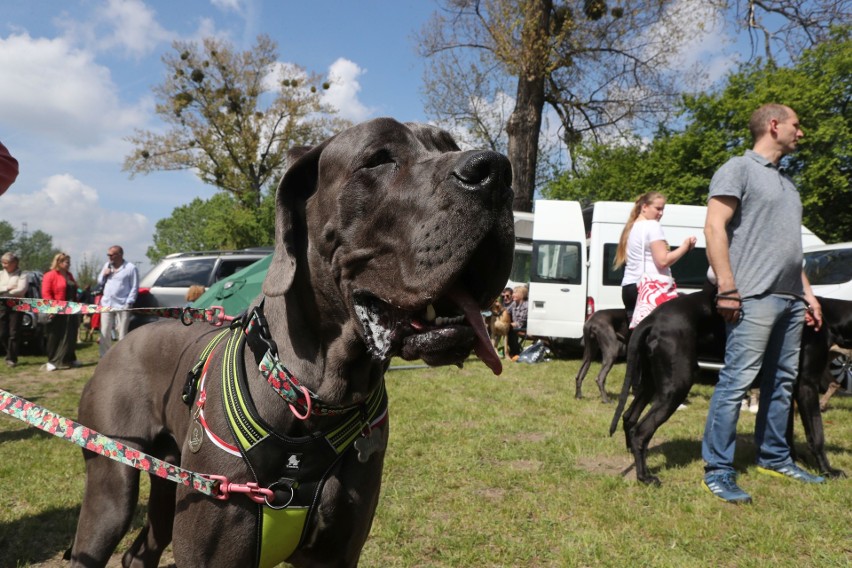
pixel 484 171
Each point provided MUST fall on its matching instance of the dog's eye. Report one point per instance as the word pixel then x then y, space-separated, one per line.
pixel 380 158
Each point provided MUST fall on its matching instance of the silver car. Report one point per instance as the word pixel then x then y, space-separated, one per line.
pixel 167 283
pixel 829 269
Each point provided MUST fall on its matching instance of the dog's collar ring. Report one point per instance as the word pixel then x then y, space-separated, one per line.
pixel 281 485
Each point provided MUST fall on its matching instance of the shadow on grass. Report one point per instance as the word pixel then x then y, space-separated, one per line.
pixel 37 538
pixel 49 535
pixel 23 434
pixel 681 453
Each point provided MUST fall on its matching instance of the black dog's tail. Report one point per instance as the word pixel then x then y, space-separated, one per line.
pixel 633 374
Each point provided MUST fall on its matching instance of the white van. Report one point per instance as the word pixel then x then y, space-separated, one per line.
pixel 571 273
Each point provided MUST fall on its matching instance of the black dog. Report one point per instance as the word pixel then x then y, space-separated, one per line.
pixel 603 334
pixel 662 358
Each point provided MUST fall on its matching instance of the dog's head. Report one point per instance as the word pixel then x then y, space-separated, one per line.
pixel 394 226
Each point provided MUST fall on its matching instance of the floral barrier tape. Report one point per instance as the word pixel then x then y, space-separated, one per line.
pixel 45 420
pixel 214 315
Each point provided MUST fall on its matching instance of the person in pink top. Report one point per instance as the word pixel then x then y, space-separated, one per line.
pixel 59 284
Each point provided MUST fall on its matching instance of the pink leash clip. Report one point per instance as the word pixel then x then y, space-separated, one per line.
pixel 251 490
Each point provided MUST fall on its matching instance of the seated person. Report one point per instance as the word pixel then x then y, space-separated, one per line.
pixel 518 310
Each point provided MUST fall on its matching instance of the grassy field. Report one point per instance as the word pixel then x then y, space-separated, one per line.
pixel 495 471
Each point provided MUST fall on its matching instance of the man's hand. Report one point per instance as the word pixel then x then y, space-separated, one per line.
pixel 729 305
pixel 813 315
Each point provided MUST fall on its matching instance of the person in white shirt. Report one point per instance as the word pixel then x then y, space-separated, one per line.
pixel 13 284
pixel 120 282
pixel 643 248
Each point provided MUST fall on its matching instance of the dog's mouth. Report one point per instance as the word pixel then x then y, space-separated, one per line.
pixel 441 333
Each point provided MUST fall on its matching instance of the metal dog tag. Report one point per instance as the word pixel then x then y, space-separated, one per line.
pixel 196 436
pixel 367 445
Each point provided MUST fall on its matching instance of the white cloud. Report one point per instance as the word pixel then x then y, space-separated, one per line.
pixel 342 93
pixel 233 5
pixel 70 211
pixel 61 94
pixel 129 26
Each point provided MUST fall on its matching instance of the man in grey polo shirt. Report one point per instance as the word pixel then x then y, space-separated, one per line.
pixel 754 246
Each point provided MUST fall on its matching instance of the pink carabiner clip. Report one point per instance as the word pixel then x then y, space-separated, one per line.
pixel 308 404
pixel 251 490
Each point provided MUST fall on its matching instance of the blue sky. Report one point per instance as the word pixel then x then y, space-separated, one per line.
pixel 77 78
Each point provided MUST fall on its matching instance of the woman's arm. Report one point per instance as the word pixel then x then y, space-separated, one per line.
pixel 664 258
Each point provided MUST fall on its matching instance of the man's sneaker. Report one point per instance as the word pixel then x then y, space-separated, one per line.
pixel 723 485
pixel 48 367
pixel 10 363
pixel 792 471
pixel 75 364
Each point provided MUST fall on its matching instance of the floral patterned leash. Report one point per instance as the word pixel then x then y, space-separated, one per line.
pixel 215 486
pixel 214 314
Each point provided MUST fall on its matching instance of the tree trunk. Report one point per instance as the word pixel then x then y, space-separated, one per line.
pixel 524 125
pixel 524 129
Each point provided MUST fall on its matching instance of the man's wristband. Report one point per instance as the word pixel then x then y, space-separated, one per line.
pixel 734 291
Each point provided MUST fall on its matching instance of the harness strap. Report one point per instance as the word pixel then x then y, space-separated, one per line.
pixel 294 468
pixel 190 387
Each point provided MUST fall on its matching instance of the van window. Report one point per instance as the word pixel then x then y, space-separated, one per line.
pixel 557 262
pixel 521 266
pixel 611 276
pixel 688 272
pixel 691 270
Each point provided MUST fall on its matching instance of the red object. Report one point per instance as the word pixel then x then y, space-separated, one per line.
pixel 8 169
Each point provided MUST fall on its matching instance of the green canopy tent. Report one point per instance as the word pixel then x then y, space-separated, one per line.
pixel 238 290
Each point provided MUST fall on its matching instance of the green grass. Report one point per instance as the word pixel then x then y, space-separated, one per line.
pixel 497 471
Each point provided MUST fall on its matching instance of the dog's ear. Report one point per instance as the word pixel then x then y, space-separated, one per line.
pixel 297 185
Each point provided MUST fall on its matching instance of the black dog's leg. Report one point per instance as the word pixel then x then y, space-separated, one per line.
pixel 641 397
pixel 590 351
pixel 606 367
pixel 662 406
pixel 807 399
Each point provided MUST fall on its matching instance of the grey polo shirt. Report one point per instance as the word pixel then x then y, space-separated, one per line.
pixel 765 232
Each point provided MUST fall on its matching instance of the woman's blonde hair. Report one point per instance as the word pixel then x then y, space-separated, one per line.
pixel 644 199
pixel 60 257
pixel 525 292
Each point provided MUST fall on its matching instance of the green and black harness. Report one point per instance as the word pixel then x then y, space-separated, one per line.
pixel 292 470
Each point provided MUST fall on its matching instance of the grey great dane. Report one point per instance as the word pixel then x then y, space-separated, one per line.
pixel 389 241
pixel 603 334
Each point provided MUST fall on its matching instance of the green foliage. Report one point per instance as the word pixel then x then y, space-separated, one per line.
pixel 221 222
pixel 232 116
pixel 680 163
pixel 35 249
pixel 86 271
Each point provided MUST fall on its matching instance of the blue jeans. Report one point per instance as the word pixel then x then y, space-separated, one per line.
pixel 768 335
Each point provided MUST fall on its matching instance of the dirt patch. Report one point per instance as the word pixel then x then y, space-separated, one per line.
pixel 606 465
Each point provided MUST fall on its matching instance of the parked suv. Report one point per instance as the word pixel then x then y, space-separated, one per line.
pixel 166 284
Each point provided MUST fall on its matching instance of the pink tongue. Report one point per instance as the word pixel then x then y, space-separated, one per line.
pixel 482 345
